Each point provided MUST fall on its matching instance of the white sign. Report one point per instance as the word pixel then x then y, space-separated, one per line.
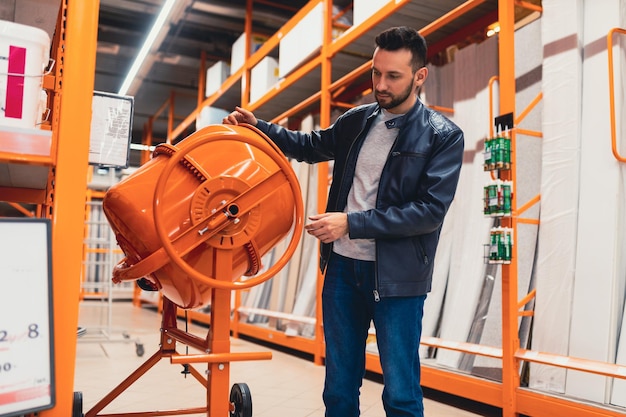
pixel 26 370
pixel 111 129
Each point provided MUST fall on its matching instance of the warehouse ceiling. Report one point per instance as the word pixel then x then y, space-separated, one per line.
pixel 198 26
pixel 210 27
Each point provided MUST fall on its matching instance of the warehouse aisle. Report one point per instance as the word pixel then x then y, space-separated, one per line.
pixel 287 385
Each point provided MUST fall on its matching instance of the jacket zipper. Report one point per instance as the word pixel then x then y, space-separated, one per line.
pixel 343 177
pixel 367 123
pixel 341 183
pixel 391 154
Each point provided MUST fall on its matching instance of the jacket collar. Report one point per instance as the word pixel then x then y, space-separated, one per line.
pixel 400 121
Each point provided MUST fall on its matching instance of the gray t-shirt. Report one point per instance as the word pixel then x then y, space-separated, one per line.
pixel 362 196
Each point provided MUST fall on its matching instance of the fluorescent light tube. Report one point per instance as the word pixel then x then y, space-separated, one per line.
pixel 145 49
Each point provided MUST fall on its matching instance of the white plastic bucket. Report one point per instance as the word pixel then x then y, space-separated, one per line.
pixel 24 55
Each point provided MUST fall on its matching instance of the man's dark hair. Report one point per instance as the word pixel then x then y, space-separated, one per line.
pixel 404 37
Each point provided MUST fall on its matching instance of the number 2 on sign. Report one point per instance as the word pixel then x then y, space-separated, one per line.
pixel 33 333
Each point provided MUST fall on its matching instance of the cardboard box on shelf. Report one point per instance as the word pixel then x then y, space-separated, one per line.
pixel 210 116
pixel 237 54
pixel 215 77
pixel 263 77
pixel 363 9
pixel 304 40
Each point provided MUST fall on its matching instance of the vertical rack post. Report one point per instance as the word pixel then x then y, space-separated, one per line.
pixel 78 25
pixel 245 75
pixel 510 338
pixel 322 168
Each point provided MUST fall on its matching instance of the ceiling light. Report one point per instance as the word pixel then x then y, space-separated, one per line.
pixel 145 49
pixel 493 29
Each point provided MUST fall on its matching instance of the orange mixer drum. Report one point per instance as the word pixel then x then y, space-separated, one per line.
pixel 226 192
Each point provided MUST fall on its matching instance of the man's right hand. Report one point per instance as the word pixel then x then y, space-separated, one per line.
pixel 240 115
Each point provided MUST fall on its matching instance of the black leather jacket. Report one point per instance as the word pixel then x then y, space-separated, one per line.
pixel 416 188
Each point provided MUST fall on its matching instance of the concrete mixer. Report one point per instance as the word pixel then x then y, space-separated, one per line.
pixel 194 223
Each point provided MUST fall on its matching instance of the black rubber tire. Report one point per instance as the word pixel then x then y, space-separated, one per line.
pixel 241 399
pixel 77 405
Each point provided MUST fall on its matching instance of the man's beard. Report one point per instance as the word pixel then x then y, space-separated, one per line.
pixel 394 101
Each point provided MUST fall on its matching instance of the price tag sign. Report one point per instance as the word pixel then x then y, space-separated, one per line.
pixel 26 369
pixel 111 129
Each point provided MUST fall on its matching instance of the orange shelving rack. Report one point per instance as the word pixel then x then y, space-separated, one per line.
pixel 508 394
pixel 58 156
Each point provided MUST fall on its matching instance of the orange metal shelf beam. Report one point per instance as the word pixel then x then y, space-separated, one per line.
pixel 23 195
pixel 466 386
pixel 529 6
pixel 451 382
pixel 532 403
pixel 450 16
pixel 300 344
pixel 24 211
pixel 528 109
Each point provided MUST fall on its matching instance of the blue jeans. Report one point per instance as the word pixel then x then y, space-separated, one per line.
pixel 348 306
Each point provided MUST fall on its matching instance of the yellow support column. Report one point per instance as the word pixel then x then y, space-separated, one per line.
pixel 510 339
pixel 68 209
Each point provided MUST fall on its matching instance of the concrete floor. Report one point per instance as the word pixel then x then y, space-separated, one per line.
pixel 286 385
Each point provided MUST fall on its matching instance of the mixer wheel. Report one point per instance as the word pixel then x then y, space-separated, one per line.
pixel 77 404
pixel 240 397
pixel 240 206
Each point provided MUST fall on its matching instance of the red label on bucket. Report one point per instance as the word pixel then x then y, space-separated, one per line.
pixel 15 82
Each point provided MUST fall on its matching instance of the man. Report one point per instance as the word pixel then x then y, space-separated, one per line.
pixel 396 169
